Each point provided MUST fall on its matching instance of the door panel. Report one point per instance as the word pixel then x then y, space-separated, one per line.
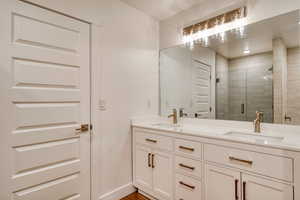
pixel 260 189
pixel 46 36
pixel 63 187
pixel 221 183
pixel 47 65
pixel 201 86
pixel 46 114
pixel 35 73
pixel 143 169
pixel 162 175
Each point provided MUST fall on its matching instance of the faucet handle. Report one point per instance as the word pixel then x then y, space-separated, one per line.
pixel 259 115
pixel 182 113
pixel 173 114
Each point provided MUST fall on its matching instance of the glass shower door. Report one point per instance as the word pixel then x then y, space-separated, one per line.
pixel 259 92
pixel 237 97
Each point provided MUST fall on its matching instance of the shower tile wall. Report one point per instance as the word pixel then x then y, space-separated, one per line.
pixel 222 105
pixel 280 80
pixel 250 83
pixel 293 85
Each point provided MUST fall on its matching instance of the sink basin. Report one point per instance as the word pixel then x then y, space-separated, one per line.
pixel 166 125
pixel 256 137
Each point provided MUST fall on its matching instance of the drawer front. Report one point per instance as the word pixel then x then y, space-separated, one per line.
pixel 154 141
pixel 187 188
pixel 264 164
pixel 188 166
pixel 188 148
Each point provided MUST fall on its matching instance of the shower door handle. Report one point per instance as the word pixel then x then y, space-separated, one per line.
pixel 243 108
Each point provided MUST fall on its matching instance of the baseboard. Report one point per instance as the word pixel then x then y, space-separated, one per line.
pixel 147 195
pixel 119 193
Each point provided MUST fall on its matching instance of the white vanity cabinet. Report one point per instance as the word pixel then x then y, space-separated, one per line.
pixel 153 165
pixel 255 188
pixel 174 166
pixel 233 184
pixel 221 183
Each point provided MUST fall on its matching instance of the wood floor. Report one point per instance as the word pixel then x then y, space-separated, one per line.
pixel 135 196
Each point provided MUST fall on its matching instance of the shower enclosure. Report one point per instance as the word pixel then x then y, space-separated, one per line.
pixel 250 88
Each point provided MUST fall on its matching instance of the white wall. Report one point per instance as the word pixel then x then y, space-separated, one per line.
pixel 176 78
pixel 126 78
pixel 170 29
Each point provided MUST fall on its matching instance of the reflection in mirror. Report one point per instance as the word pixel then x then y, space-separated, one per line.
pixel 234 78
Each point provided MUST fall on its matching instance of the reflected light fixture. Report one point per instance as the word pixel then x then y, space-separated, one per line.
pixel 199 33
pixel 247 51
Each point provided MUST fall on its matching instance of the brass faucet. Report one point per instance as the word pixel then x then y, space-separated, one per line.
pixel 257 121
pixel 174 115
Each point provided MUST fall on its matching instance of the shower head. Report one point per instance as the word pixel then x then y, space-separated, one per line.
pixel 270 69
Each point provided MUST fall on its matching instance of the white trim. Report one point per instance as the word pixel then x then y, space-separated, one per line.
pixel 119 193
pixel 147 195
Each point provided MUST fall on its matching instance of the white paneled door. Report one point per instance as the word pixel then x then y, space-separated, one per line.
pixel 201 90
pixel 45 98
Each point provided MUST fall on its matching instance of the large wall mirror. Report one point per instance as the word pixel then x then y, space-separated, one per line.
pixel 234 78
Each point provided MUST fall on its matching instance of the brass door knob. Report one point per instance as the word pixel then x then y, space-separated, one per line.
pixel 83 128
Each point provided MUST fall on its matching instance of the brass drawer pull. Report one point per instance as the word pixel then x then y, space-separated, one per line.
pixel 185 166
pixel 152 161
pixel 150 140
pixel 186 148
pixel 249 162
pixel 236 183
pixel 244 190
pixel 149 163
pixel 187 185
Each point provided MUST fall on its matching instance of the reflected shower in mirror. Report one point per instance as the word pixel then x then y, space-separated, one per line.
pixel 234 78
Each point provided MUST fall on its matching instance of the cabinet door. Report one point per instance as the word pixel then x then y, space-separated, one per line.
pixel 143 170
pixel 162 175
pixel 255 188
pixel 222 183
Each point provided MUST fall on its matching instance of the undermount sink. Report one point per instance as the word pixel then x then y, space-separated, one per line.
pixel 257 137
pixel 166 125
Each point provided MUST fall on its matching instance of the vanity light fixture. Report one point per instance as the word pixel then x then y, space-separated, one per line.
pixel 217 26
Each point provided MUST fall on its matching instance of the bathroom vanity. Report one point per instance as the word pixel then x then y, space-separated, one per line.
pixel 194 162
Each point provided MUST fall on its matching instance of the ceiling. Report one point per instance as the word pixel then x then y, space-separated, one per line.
pixel 259 36
pixel 162 9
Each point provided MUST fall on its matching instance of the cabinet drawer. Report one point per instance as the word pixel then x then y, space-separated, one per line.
pixel 188 148
pixel 155 141
pixel 264 164
pixel 187 188
pixel 188 166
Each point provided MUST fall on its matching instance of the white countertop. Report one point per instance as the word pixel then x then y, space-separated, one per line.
pixel 288 136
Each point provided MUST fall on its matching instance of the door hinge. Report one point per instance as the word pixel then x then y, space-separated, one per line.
pixel 210 109
pixel 91 126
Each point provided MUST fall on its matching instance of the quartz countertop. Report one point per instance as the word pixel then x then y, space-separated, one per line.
pixel 275 136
